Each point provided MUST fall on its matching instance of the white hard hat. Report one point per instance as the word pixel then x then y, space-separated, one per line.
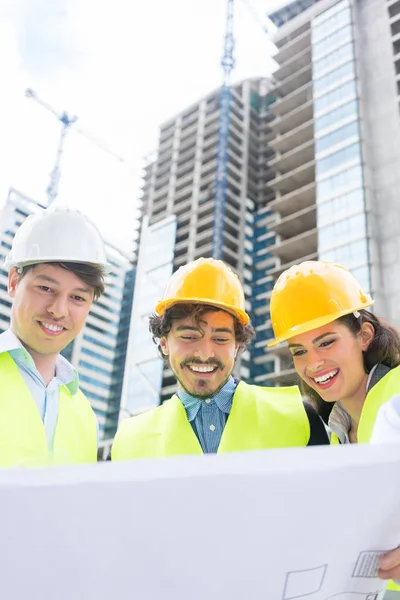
pixel 57 235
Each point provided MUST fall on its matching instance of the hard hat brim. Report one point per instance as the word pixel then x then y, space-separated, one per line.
pixel 318 322
pixel 241 315
pixel 9 264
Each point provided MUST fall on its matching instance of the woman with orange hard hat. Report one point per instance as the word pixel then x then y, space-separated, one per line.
pixel 348 359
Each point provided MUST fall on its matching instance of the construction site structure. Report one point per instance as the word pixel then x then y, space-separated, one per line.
pixel 181 182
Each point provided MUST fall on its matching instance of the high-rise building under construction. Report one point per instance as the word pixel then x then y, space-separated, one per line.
pixel 180 181
pixel 313 170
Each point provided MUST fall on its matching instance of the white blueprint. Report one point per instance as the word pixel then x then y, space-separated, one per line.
pixel 273 525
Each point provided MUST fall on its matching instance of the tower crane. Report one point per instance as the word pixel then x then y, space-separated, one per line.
pixel 227 63
pixel 67 122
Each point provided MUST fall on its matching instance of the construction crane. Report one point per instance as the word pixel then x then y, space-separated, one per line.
pixel 228 63
pixel 260 18
pixel 67 122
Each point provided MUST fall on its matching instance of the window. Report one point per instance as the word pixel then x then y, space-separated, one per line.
pixel 328 62
pixel 89 338
pixel 341 231
pixel 349 178
pixel 348 255
pixel 324 24
pixel 337 38
pixel 340 207
pixel 336 137
pixel 334 117
pixel 97 355
pixel 333 161
pixel 329 80
pixel 336 96
pixel 96 369
pixel 95 382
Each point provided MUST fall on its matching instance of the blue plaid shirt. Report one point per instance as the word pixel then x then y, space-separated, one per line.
pixel 209 415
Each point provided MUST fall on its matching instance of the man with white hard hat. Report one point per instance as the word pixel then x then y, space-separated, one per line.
pixel 56 270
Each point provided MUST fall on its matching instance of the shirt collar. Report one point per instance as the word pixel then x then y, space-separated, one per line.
pixel 339 420
pixel 9 341
pixel 340 423
pixel 223 399
pixel 65 372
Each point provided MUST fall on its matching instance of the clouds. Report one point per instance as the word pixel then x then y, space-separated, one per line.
pixel 44 36
pixel 122 67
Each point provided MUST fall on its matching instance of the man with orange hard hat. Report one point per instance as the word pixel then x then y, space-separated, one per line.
pixel 200 325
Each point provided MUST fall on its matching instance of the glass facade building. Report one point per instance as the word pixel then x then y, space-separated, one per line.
pixel 144 366
pixel 340 187
pixel 337 144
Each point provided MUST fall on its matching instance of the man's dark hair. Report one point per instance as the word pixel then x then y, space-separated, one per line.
pixel 160 326
pixel 92 275
pixel 384 349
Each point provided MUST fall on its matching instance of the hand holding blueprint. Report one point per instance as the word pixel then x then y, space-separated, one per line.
pixel 304 523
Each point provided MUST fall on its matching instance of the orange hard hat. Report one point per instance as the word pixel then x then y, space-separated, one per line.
pixel 312 294
pixel 205 281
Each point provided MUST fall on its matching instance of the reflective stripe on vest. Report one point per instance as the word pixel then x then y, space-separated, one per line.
pixel 22 433
pixel 382 391
pixel 260 418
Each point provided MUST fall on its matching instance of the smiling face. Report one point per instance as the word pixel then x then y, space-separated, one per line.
pixel 330 360
pixel 202 355
pixel 49 308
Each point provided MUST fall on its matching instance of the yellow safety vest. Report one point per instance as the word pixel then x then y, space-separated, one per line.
pixel 259 418
pixel 22 433
pixel 382 391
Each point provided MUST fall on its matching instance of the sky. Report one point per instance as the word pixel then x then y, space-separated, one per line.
pixel 121 67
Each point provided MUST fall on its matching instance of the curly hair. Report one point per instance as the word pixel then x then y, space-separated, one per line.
pixel 383 349
pixel 159 327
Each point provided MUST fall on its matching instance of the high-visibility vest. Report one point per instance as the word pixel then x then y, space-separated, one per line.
pixel 382 391
pixel 22 434
pixel 259 418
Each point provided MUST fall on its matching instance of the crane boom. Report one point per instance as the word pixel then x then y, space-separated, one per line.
pixel 228 63
pixel 66 121
pixel 31 94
